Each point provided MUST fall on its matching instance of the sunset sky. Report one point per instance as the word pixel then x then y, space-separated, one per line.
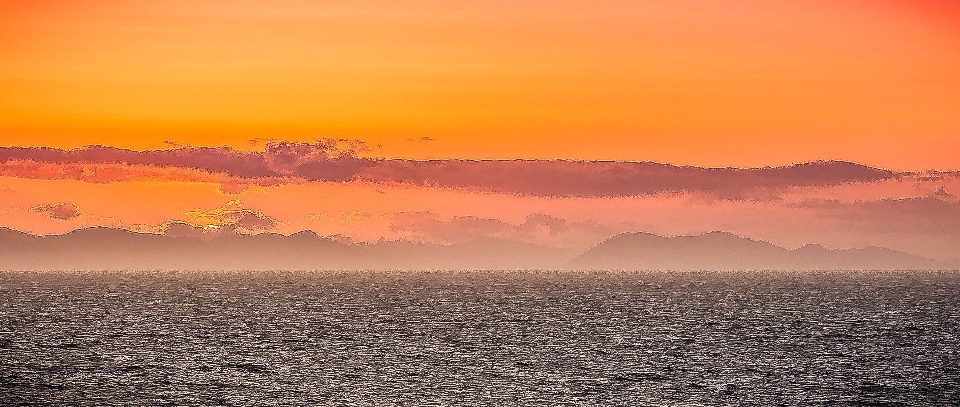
pixel 372 86
pixel 702 82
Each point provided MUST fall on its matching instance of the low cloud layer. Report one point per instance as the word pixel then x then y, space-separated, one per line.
pixel 230 218
pixel 338 161
pixel 604 178
pixel 536 228
pixel 897 216
pixel 59 211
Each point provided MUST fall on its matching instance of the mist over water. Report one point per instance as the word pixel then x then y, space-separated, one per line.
pixel 480 338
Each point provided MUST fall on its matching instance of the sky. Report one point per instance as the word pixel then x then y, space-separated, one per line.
pixel 342 100
pixel 708 83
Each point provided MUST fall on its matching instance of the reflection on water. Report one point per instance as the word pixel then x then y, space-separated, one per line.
pixel 479 338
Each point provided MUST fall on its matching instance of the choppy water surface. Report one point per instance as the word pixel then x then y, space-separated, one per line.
pixel 480 338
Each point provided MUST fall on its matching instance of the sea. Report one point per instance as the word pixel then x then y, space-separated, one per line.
pixel 480 338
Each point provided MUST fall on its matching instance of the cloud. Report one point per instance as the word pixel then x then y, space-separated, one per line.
pixel 536 228
pixel 338 160
pixel 458 229
pixel 184 229
pixel 907 215
pixel 941 192
pixel 323 159
pixel 59 211
pixel 542 222
pixel 421 139
pixel 231 217
pixel 608 178
pixel 102 173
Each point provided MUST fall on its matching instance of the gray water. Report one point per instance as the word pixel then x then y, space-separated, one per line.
pixel 480 338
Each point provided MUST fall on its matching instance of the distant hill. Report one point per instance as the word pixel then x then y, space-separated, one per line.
pixel 725 251
pixel 117 249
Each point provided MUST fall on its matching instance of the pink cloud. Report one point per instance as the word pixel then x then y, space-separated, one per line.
pixel 59 211
pixel 338 161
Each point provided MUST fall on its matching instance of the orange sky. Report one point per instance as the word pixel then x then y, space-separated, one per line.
pixel 705 82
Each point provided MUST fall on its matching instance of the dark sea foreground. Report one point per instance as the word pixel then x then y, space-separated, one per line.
pixel 480 338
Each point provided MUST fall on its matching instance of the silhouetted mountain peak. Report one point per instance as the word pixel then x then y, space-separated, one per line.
pixel 726 251
pixel 812 247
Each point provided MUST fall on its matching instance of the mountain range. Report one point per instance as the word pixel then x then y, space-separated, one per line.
pixel 118 249
pixel 725 251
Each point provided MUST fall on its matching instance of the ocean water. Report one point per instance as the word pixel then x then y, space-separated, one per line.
pixel 480 338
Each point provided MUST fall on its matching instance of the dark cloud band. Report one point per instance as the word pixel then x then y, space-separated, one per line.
pixel 330 161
